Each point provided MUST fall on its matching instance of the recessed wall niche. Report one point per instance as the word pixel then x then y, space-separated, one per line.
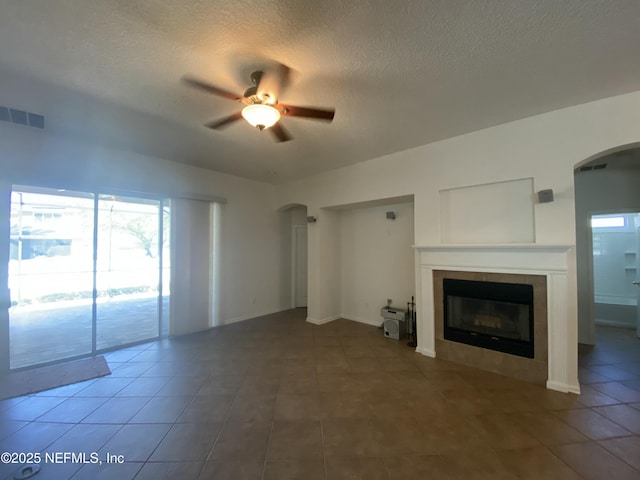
pixel 491 213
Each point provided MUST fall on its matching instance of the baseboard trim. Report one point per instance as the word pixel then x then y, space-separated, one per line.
pixel 322 321
pixel 366 321
pixel 427 352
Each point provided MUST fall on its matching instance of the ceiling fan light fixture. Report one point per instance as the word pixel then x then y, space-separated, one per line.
pixel 260 115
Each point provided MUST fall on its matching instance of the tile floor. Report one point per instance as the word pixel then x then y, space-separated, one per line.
pixel 277 398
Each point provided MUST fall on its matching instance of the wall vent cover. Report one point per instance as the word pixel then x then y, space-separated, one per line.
pixel 20 117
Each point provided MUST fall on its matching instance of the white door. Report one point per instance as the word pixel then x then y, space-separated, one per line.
pixel 300 265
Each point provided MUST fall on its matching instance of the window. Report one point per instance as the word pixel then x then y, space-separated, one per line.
pixel 607 222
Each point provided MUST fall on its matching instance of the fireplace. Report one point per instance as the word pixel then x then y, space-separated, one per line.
pixel 548 268
pixel 493 315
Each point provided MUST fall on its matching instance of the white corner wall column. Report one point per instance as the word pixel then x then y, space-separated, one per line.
pixel 556 262
pixel 313 267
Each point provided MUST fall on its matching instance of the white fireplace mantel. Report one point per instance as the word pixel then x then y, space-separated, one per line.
pixel 556 262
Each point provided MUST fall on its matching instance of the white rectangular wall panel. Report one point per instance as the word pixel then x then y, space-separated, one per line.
pixel 501 212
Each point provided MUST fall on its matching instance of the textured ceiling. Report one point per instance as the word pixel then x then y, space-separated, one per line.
pixel 399 74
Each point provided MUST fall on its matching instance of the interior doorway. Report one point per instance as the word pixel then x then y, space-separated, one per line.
pixel 294 251
pixel 604 185
pixel 606 203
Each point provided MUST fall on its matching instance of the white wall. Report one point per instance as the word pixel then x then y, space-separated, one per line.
pixel 326 276
pixel 251 263
pixel 544 147
pixel 298 215
pixel 377 260
pixel 598 191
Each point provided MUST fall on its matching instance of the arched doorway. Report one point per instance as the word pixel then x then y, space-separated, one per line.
pixel 607 208
pixel 605 183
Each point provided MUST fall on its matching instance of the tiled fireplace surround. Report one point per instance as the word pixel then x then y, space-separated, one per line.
pixel 555 328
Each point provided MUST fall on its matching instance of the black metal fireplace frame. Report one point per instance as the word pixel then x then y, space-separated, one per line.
pixel 495 291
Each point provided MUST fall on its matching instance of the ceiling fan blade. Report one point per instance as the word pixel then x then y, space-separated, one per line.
pixel 193 82
pixel 280 133
pixel 308 112
pixel 224 122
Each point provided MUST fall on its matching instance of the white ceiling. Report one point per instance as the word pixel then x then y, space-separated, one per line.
pixel 399 74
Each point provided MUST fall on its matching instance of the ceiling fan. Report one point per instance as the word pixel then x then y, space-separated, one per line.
pixel 261 109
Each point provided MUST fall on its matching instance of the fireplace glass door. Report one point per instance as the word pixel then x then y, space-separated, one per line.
pixel 493 315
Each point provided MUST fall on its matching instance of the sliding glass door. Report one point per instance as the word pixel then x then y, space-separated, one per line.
pixel 128 270
pixel 50 276
pixel 87 273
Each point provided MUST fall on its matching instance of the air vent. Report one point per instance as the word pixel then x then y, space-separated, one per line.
pixel 586 168
pixel 20 117
pixel 600 166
